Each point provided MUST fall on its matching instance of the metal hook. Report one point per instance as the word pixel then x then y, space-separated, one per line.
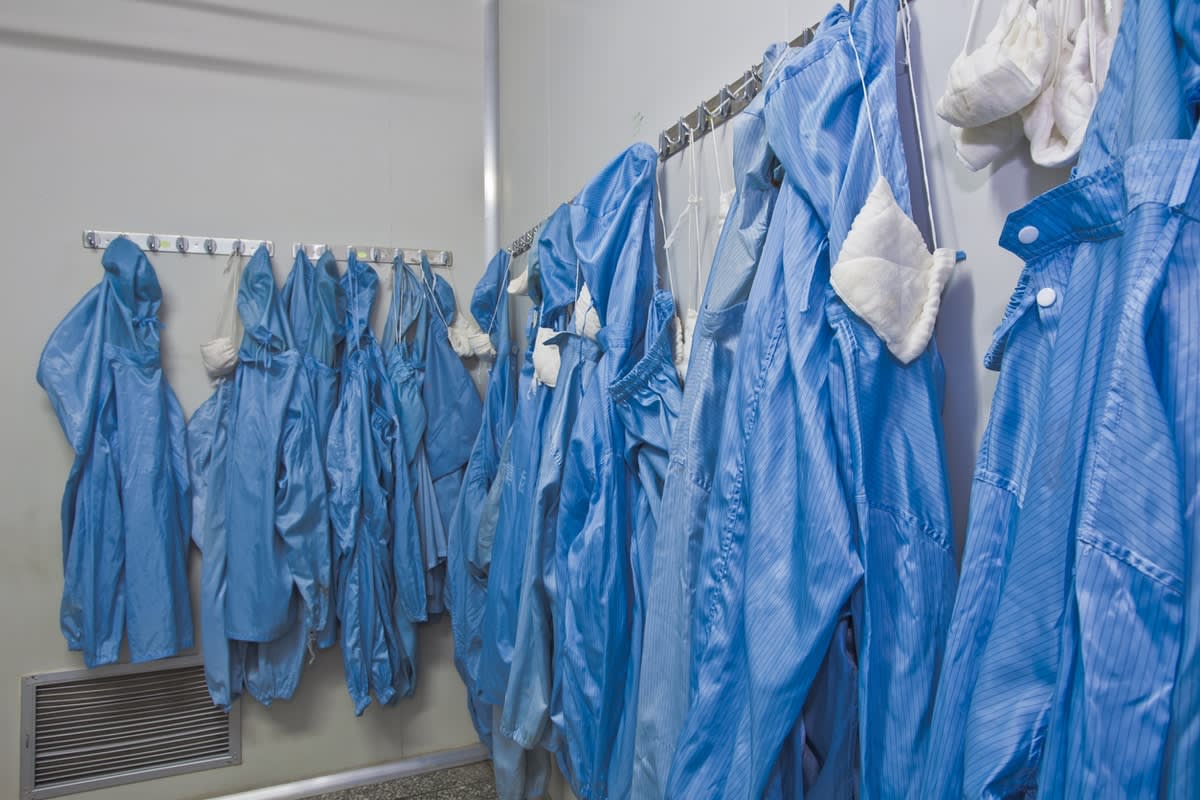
pixel 721 112
pixel 237 247
pixel 684 127
pixel 667 144
pixel 152 243
pixel 210 246
pixel 89 239
pixel 743 90
pixel 181 244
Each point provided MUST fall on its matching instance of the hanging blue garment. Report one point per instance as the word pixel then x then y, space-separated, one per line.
pixel 126 514
pixel 316 307
pixel 663 680
pixel 208 443
pixel 507 541
pixel 466 585
pixel 830 495
pixel 278 564
pixel 405 339
pixel 521 771
pixel 530 700
pixel 377 645
pixel 1071 665
pixel 268 670
pixel 453 409
pixel 646 403
pixel 612 223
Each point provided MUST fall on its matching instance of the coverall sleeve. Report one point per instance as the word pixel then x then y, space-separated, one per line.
pixel 70 368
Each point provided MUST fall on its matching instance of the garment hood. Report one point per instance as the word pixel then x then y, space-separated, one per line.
pixel 262 314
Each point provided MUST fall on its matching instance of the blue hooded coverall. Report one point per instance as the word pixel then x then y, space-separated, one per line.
pixel 261 497
pixel 467 586
pixel 316 306
pixel 378 645
pixel 126 516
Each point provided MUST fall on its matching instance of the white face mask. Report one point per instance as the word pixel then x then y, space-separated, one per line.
pixel 887 277
pixel 883 272
pixel 979 147
pixel 1005 73
pixel 1057 121
pixel 220 357
pixel 468 339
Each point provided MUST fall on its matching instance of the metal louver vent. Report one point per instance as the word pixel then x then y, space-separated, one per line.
pixel 86 729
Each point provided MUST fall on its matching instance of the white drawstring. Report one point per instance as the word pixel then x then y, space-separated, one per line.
pixel 432 291
pixel 668 237
pixel 862 78
pixel 906 23
pixel 694 206
pixel 975 8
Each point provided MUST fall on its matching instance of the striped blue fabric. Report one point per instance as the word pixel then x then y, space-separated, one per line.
pixel 663 680
pixel 611 477
pixel 830 499
pixel 520 773
pixel 1060 673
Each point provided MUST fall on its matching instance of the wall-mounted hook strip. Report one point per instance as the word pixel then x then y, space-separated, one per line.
pixel 176 243
pixel 524 242
pixel 376 254
pixel 726 104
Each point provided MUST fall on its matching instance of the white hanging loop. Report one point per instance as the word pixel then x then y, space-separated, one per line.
pixel 906 25
pixel 862 78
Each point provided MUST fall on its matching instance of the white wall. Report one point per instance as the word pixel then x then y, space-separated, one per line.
pixel 581 80
pixel 285 119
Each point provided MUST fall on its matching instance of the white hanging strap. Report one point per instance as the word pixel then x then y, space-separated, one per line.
pixel 1089 9
pixel 668 236
pixel 717 164
pixel 669 242
pixel 774 71
pixel 694 206
pixel 906 25
pixel 433 299
pixel 971 22
pixel 862 78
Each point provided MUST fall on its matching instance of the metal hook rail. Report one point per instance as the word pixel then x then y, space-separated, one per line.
pixel 723 106
pixel 374 254
pixel 709 115
pixel 524 242
pixel 176 243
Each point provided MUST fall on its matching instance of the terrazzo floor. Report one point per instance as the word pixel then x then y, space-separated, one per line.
pixel 472 782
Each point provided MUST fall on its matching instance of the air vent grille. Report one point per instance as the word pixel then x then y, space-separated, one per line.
pixel 85 729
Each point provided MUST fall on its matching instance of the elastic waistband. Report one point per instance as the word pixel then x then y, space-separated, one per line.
pixel 657 356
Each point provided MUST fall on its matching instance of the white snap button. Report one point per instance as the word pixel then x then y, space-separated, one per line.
pixel 1046 297
pixel 1028 235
